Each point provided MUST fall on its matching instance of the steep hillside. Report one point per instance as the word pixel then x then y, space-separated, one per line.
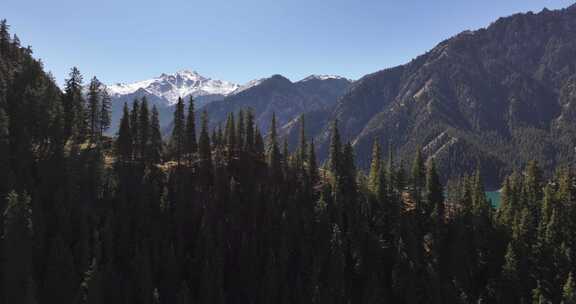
pixel 279 95
pixel 496 97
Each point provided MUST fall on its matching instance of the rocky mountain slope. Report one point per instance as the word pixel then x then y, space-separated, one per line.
pixel 279 95
pixel 495 97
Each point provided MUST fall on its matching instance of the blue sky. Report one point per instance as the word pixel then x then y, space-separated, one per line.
pixel 128 40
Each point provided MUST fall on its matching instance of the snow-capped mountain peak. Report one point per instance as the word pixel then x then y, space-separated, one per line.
pixel 248 85
pixel 170 87
pixel 323 77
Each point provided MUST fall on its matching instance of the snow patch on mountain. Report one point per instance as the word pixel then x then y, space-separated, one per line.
pixel 322 77
pixel 180 84
pixel 248 85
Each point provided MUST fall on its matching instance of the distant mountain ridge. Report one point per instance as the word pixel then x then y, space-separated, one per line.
pixel 277 94
pixel 170 87
pixel 163 92
pixel 264 96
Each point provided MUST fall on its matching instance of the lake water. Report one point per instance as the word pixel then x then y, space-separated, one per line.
pixel 494 196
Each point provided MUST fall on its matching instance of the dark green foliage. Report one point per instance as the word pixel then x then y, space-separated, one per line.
pixel 273 152
pixel 240 131
pixel 144 129
pixel 178 138
pixel 191 145
pixel 74 108
pixel 155 147
pixel 6 176
pixel 241 222
pixel 124 142
pixel 312 166
pixel 375 175
pixel 17 250
pixel 335 156
pixel 135 129
pixel 105 112
pixel 250 132
pixel 418 178
pixel 569 290
pixel 94 106
pixel 434 192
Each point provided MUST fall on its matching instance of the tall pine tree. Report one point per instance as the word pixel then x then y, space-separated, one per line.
pixel 178 132
pixel 124 143
pixel 156 146
pixel 94 107
pixel 191 143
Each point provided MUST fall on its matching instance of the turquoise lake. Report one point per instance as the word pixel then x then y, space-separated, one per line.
pixel 494 196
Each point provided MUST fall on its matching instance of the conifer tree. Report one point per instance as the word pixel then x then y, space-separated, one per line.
pixel 434 191
pixel 124 143
pixel 241 131
pixel 285 154
pixel 274 157
pixel 178 132
pixel 6 177
pixel 204 149
pixel 230 133
pixel 105 111
pixel 348 176
pixel 220 138
pixel 94 107
pixel 90 292
pixel 144 125
pixel 538 296
pixel 303 146
pixel 4 37
pixel 191 142
pixel 390 173
pixel 214 137
pixel 17 256
pixel 374 177
pixel 480 204
pixel 510 272
pixel 553 234
pixel 545 213
pixel 258 145
pixel 312 166
pixel 135 129
pixel 335 157
pixel 533 183
pixel 569 291
pixel 417 178
pixel 155 147
pixel 507 209
pixel 337 264
pixel 73 104
pixel 15 48
pixel 250 133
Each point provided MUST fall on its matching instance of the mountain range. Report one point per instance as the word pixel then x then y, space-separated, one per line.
pixel 163 92
pixel 277 94
pixel 496 97
pixel 264 96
